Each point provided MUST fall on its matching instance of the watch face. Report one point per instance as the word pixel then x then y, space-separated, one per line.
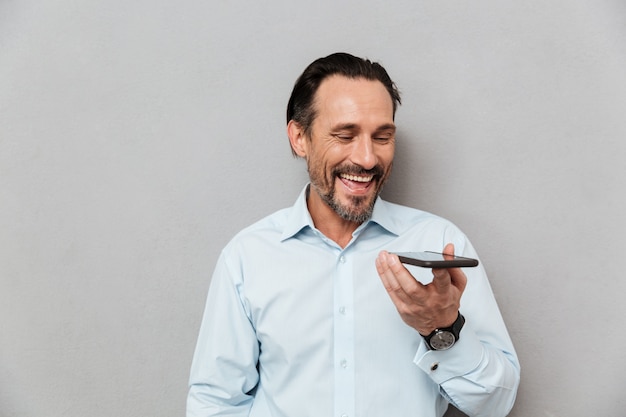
pixel 442 340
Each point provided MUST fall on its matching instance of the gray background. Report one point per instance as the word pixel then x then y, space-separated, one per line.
pixel 136 137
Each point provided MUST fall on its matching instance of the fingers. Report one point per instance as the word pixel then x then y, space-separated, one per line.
pixel 443 278
pixel 458 278
pixel 421 306
pixel 395 277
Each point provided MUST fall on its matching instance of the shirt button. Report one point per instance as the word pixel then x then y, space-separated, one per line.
pixel 343 363
pixel 342 259
pixel 344 415
pixel 434 366
pixel 342 310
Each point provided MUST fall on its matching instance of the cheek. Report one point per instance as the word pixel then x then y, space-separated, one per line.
pixel 319 170
pixel 386 158
pixel 323 162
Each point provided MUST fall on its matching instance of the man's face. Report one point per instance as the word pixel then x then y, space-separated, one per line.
pixel 350 152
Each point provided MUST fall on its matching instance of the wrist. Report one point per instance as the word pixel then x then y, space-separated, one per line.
pixel 440 323
pixel 444 338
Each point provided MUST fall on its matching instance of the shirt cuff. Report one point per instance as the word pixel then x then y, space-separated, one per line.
pixel 459 360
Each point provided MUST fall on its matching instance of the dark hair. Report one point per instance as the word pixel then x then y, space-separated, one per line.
pixel 301 107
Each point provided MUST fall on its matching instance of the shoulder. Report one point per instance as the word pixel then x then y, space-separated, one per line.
pixel 268 228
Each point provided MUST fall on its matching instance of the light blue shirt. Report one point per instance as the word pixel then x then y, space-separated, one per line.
pixel 296 326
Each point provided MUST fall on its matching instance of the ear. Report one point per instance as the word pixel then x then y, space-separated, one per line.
pixel 297 138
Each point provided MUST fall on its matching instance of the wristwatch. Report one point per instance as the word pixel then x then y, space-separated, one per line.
pixel 445 338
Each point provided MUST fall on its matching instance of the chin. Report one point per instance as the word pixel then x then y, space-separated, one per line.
pixel 357 209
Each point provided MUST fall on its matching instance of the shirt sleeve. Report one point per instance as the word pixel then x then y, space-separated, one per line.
pixel 480 374
pixel 224 368
pixel 477 378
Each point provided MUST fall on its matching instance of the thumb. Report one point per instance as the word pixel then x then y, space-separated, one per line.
pixel 457 276
pixel 449 249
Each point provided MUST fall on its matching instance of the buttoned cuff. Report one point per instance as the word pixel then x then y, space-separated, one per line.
pixel 460 359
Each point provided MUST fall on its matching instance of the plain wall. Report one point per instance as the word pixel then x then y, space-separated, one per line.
pixel 136 137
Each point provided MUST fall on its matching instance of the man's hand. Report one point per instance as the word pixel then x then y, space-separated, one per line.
pixel 423 307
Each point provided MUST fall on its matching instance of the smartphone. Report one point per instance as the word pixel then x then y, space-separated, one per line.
pixel 435 260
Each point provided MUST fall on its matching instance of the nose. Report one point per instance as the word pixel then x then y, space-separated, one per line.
pixel 363 153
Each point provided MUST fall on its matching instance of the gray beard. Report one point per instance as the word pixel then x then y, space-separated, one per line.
pixel 345 212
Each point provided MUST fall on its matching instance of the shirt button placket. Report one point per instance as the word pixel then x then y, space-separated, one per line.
pixel 344 338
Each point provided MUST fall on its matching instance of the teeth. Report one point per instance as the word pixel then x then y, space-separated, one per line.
pixel 356 178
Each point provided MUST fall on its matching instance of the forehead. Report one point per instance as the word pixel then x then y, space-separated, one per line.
pixel 340 97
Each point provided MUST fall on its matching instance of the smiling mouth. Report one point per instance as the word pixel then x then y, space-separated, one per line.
pixel 357 178
pixel 356 184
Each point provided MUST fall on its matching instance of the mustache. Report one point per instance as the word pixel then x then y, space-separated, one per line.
pixel 376 171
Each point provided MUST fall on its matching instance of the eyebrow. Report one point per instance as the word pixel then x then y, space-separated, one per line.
pixel 344 126
pixel 352 126
pixel 388 126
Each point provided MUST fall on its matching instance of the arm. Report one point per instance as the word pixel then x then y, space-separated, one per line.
pixel 223 373
pixel 480 373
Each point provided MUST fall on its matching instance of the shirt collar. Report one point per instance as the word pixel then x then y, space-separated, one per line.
pixel 382 216
pixel 300 218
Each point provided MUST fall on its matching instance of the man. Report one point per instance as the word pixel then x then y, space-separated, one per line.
pixel 309 313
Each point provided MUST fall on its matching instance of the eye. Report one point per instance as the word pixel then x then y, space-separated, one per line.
pixel 384 138
pixel 345 137
pixel 385 134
